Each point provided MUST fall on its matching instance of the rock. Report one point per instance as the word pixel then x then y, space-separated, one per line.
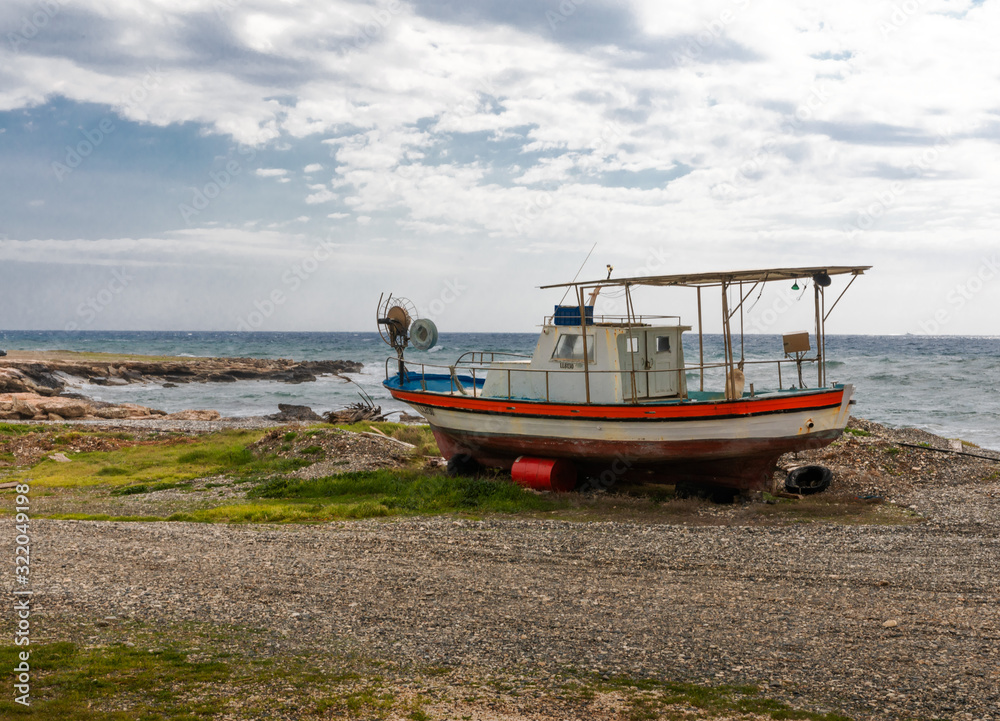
pixel 891 623
pixel 289 412
pixel 59 458
pixel 65 407
pixel 192 416
pixel 112 412
pixel 23 410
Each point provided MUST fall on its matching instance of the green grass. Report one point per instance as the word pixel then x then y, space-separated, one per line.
pixel 385 492
pixel 144 488
pixel 21 429
pixel 648 697
pixel 172 462
pixel 71 682
pixel 857 432
pixel 190 672
pixel 373 494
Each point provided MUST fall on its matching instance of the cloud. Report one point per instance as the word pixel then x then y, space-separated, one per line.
pixel 532 126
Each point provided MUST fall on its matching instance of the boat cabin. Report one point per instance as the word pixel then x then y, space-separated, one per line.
pixel 613 349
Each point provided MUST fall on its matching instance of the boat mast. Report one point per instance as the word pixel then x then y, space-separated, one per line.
pixel 727 334
pixel 701 343
pixel 818 292
pixel 630 314
pixel 583 333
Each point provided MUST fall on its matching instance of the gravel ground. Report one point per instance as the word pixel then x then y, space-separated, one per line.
pixel 874 621
pixel 877 622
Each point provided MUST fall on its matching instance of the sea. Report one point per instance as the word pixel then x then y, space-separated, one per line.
pixel 948 385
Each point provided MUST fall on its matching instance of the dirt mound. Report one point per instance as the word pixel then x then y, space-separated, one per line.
pixel 332 451
pixel 872 460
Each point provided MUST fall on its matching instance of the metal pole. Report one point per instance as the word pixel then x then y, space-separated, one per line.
pixel 819 336
pixel 628 346
pixel 822 318
pixel 701 343
pixel 742 349
pixel 727 337
pixel 583 332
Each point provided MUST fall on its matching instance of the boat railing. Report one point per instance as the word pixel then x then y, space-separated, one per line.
pixel 408 370
pixel 487 357
pixel 622 320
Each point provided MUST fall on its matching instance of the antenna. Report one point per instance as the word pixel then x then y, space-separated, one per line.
pixel 578 272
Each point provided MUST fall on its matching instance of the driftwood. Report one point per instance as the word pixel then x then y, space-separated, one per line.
pixel 355 413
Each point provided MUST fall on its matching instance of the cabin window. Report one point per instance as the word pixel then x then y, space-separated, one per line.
pixel 570 348
pixel 633 344
pixel 662 344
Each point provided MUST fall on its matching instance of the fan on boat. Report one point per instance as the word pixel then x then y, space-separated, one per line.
pixel 399 325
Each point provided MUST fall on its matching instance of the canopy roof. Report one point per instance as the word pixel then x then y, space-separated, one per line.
pixel 695 280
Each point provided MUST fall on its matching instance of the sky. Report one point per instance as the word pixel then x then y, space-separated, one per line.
pixel 276 165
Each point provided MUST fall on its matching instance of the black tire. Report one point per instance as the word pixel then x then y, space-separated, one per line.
pixel 807 480
pixel 463 465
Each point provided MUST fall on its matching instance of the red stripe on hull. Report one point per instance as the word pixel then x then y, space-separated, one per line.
pixel 688 411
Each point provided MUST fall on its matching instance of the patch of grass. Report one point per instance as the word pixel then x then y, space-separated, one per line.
pixel 893 451
pixel 149 488
pixel 173 461
pixel 378 493
pixel 20 429
pixel 113 471
pixel 290 436
pixel 313 451
pixel 648 697
pixel 857 431
pixel 69 679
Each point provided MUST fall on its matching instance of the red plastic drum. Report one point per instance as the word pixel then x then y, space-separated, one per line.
pixel 544 474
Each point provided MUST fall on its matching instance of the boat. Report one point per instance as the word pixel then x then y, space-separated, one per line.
pixel 604 398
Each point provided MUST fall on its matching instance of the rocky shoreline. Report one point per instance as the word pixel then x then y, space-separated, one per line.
pixel 34 385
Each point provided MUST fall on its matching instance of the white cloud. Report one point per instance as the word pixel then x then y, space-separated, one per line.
pixel 794 125
pixel 322 196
